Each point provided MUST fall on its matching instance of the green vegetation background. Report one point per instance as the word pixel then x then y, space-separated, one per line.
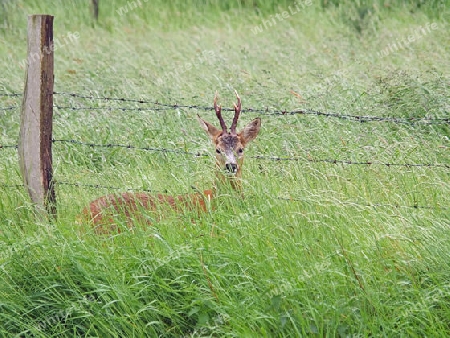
pixel 314 249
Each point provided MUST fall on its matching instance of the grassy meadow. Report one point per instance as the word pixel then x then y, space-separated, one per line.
pixel 322 245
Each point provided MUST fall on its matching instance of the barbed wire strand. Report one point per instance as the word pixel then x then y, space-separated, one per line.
pixel 260 157
pixel 10 94
pixel 99 186
pixel 371 205
pixel 288 199
pixel 9 186
pixel 127 146
pixel 266 112
pixel 356 118
pixel 6 146
pixel 8 108
pixel 257 157
pixel 333 161
pixel 85 185
pixel 112 108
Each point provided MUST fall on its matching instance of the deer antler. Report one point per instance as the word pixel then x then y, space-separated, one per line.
pixel 237 111
pixel 218 110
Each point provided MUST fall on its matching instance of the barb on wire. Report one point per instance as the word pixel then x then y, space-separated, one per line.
pixel 8 108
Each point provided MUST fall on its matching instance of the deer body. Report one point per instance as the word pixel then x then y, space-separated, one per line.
pixel 103 211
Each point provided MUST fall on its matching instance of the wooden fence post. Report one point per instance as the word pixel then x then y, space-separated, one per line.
pixel 35 139
pixel 95 9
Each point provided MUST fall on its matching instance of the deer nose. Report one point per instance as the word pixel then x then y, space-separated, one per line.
pixel 231 167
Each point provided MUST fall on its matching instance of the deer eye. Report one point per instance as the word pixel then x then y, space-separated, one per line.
pixel 218 151
pixel 240 150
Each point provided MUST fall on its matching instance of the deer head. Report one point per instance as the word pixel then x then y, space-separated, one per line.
pixel 230 145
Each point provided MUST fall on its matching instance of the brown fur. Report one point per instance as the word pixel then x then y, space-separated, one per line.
pixel 104 211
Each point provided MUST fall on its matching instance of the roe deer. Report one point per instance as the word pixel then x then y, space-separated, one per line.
pixel 229 147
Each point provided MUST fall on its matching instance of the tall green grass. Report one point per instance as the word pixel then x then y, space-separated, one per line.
pixel 314 248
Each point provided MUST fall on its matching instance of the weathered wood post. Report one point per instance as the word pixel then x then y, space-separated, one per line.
pixel 35 139
pixel 95 9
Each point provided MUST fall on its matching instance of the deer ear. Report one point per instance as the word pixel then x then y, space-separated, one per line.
pixel 250 131
pixel 212 131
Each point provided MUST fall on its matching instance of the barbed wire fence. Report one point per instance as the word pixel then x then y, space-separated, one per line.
pixel 159 106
